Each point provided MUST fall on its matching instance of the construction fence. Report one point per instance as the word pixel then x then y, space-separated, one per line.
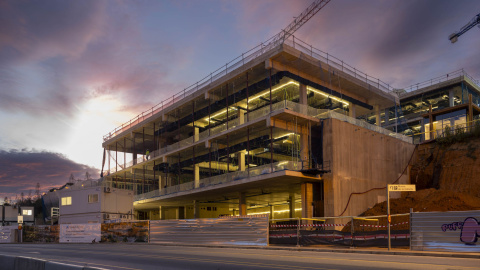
pixel 129 232
pixel 365 231
pixel 441 231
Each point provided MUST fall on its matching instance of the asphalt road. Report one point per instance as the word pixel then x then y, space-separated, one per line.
pixel 143 256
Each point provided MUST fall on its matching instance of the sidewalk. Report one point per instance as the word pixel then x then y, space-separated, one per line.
pixel 341 249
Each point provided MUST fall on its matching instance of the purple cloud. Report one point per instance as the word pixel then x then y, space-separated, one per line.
pixel 22 169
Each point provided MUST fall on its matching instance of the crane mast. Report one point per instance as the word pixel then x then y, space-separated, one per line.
pixel 454 37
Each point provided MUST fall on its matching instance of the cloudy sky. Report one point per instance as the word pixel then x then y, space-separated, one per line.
pixel 71 71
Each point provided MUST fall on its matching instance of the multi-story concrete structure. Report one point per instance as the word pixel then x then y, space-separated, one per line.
pixel 448 98
pixel 274 131
pixel 92 201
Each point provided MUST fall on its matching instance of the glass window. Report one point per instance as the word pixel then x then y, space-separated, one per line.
pixel 27 212
pixel 66 200
pixel 92 198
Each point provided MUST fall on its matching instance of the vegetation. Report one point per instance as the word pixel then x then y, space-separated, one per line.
pixel 459 134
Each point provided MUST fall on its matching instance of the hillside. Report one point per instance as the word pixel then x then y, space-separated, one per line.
pixel 447 176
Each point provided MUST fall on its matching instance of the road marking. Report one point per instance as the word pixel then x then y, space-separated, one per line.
pixel 90 263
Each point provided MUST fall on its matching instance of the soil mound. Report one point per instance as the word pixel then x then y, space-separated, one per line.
pixel 426 200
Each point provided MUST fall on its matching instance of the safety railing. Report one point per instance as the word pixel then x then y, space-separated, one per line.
pixel 443 78
pixel 240 61
pixel 448 131
pixel 363 124
pixel 338 64
pixel 252 116
pixel 224 178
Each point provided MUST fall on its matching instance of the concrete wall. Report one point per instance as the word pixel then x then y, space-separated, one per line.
pixel 360 160
pixel 117 201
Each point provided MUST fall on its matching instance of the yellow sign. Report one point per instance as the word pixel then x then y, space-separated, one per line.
pixel 401 187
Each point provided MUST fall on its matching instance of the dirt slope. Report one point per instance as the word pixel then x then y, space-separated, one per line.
pixel 447 177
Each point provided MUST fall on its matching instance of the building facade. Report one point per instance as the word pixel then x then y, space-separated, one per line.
pixel 274 132
pixel 91 201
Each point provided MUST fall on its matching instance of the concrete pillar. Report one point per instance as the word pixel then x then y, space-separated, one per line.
pixel 161 212
pixel 196 209
pixel 272 212
pixel 303 94
pixel 180 212
pixel 197 175
pixel 241 161
pixel 451 101
pixel 291 206
pixel 160 183
pixel 241 116
pixel 196 134
pixel 242 204
pixel 351 110
pixel 303 98
pixel 378 122
pixel 307 199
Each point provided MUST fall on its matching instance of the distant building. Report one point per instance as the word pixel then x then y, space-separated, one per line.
pixel 9 214
pixel 92 202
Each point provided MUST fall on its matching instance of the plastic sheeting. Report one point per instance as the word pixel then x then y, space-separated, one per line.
pixel 247 230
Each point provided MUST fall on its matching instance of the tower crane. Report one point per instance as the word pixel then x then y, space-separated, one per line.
pixel 476 20
pixel 306 15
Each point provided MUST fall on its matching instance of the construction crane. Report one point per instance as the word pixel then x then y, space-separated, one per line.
pixel 476 20
pixel 299 21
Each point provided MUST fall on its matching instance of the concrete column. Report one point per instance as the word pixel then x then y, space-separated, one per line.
pixel 307 199
pixel 241 116
pixel 241 161
pixel 180 212
pixel 197 175
pixel 378 122
pixel 303 94
pixel 242 204
pixel 451 101
pixel 272 212
pixel 303 98
pixel 291 206
pixel 161 212
pixel 196 209
pixel 351 110
pixel 196 133
pixel 304 149
pixel 160 183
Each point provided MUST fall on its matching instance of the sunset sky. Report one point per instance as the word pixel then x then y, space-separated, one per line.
pixel 71 71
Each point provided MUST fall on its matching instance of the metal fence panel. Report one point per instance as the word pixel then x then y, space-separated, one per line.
pixel 246 230
pixel 452 231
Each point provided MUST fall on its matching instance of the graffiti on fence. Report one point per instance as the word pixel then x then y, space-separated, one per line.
pixel 469 230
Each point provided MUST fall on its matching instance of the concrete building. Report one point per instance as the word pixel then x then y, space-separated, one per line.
pixel 91 201
pixel 445 98
pixel 274 131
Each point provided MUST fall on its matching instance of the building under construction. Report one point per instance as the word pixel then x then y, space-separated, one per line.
pixel 278 130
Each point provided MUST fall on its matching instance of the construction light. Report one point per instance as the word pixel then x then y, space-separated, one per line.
pixel 273 90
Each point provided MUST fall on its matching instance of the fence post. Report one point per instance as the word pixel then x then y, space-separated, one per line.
pixel 352 231
pixel 298 232
pixel 410 226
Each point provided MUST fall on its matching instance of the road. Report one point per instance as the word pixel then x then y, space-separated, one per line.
pixel 143 256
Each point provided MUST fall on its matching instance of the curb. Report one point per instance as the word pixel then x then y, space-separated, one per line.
pixel 340 250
